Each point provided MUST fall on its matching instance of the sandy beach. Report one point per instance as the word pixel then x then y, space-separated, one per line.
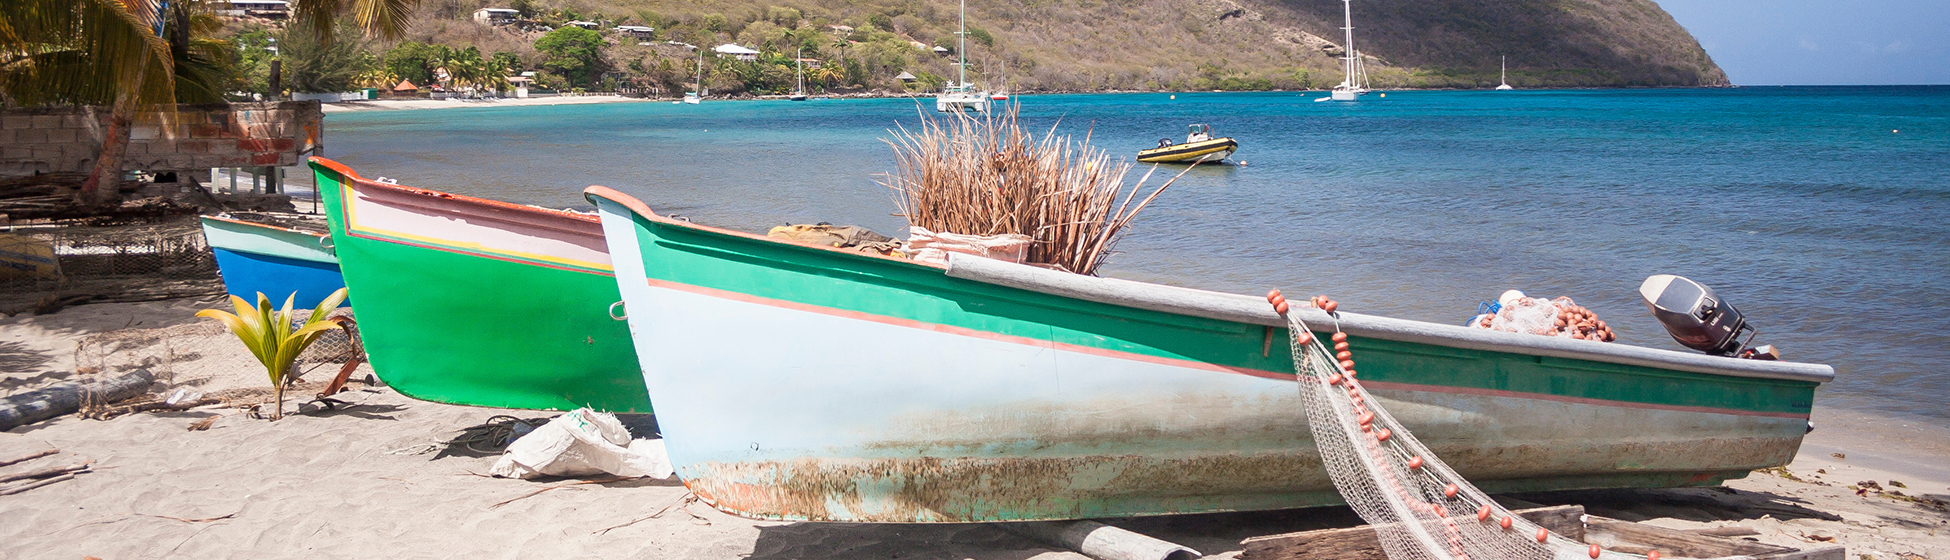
pixel 391 476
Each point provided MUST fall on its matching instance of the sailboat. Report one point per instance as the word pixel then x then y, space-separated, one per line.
pixel 962 96
pixel 1505 82
pixel 691 97
pixel 1356 83
pixel 799 93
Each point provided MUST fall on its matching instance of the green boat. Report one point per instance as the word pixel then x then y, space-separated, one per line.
pixel 813 383
pixel 478 302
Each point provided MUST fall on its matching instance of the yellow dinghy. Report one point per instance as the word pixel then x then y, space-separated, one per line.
pixel 1199 147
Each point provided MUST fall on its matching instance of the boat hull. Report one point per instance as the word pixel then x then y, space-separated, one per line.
pixel 278 262
pixel 891 391
pixel 477 302
pixel 958 102
pixel 1204 151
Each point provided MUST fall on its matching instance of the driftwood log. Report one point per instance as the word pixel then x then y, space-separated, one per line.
pixel 63 398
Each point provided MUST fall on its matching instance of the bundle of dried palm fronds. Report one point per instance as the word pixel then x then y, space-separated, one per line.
pixel 986 176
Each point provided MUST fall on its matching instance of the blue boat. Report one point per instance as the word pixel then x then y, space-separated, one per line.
pixel 277 260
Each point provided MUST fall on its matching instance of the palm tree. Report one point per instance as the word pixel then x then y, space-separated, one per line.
pixel 94 52
pixel 133 55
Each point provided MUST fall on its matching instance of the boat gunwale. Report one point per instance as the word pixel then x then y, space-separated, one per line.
pixel 1253 310
pixel 644 211
pixel 348 173
pixel 234 221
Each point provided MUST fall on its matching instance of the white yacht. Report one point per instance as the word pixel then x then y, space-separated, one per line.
pixel 1356 82
pixel 961 95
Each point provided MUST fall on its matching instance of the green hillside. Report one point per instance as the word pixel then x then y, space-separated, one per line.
pixel 1097 45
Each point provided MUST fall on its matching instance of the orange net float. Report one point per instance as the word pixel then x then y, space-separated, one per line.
pixel 1344 355
pixel 1334 379
pixel 1450 491
pixel 1483 514
pixel 1274 296
pixel 1383 434
pixel 1414 463
pixel 1543 534
pixel 1595 551
pixel 1347 364
pixel 1653 555
pixel 1506 522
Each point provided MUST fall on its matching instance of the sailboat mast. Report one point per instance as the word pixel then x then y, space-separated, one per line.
pixel 961 49
pixel 1347 13
pixel 799 61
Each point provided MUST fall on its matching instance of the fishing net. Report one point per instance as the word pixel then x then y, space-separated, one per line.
pixel 1419 507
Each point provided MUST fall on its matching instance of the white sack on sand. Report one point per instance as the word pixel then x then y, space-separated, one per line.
pixel 581 443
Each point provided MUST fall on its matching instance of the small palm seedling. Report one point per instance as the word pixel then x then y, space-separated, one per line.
pixel 268 334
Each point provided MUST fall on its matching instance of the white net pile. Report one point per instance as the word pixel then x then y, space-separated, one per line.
pixel 1419 507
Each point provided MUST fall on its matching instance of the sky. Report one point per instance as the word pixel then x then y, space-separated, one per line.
pixel 1831 42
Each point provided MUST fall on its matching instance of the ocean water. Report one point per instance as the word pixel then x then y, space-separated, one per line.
pixel 1822 213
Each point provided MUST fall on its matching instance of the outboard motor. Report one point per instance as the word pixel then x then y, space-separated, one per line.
pixel 1693 315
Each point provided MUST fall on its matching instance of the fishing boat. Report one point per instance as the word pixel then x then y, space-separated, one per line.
pixel 1199 147
pixel 478 302
pixel 1504 82
pixel 960 95
pixel 799 93
pixel 811 383
pixel 278 255
pixel 1355 83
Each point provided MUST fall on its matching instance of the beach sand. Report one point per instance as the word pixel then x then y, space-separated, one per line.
pixel 395 104
pixel 392 477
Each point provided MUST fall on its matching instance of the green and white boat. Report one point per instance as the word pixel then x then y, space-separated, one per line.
pixel 478 302
pixel 811 383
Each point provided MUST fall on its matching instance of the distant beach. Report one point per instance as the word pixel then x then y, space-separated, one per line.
pixel 397 104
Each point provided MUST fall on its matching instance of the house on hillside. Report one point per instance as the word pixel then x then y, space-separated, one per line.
pixel 585 24
pixel 809 63
pixel 906 78
pixel 941 51
pixel 637 31
pixel 496 16
pixel 741 53
pixel 269 9
pixel 840 29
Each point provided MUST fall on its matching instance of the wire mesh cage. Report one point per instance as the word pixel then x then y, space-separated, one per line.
pixel 115 263
pixel 202 356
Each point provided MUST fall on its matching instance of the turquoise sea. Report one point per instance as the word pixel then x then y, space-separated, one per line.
pixel 1822 213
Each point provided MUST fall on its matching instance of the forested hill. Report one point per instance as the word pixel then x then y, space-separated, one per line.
pixel 1095 45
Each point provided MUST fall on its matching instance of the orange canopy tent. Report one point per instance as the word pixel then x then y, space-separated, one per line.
pixel 405 85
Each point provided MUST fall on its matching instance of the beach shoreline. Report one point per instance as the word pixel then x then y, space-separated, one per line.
pixel 391 475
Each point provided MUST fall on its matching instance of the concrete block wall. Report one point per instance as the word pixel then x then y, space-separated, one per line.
pixel 69 139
